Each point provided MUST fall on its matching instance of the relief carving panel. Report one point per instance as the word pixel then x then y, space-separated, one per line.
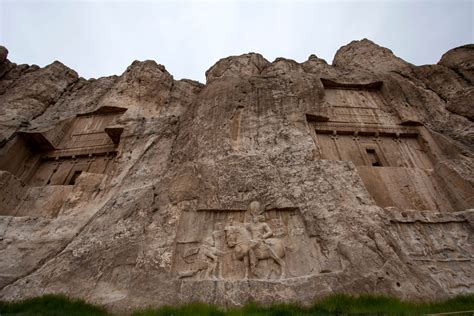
pixel 444 248
pixel 241 244
pixel 357 106
pixel 437 241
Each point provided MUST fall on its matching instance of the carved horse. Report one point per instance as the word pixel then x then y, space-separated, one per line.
pixel 240 239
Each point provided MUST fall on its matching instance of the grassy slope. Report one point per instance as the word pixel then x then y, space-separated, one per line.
pixel 333 305
pixel 53 305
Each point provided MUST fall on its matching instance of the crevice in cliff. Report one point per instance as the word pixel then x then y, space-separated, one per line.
pixel 176 137
pixel 149 145
pixel 6 140
pixel 461 75
pixel 6 228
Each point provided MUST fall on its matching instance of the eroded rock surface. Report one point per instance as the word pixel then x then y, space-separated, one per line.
pixel 273 182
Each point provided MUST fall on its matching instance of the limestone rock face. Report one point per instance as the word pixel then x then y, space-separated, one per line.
pixel 3 54
pixel 366 55
pixel 28 91
pixel 461 60
pixel 237 66
pixel 273 182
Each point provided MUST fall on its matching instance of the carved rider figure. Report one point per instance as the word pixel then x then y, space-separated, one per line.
pixel 254 241
pixel 260 231
pixel 255 208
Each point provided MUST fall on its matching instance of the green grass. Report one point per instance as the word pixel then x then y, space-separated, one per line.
pixel 333 305
pixel 52 305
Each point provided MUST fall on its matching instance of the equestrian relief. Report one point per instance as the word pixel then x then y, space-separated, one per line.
pixel 243 244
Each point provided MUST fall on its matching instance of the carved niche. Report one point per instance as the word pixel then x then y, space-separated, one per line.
pixel 58 155
pixel 243 244
pixel 44 163
pixel 395 161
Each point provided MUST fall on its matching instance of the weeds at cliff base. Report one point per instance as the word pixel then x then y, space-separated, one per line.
pixel 55 305
pixel 51 305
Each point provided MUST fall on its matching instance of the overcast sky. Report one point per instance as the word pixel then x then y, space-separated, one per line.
pixel 100 38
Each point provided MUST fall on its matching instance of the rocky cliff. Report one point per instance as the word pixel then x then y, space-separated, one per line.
pixel 273 182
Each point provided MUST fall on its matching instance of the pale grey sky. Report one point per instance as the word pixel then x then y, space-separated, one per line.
pixel 101 38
